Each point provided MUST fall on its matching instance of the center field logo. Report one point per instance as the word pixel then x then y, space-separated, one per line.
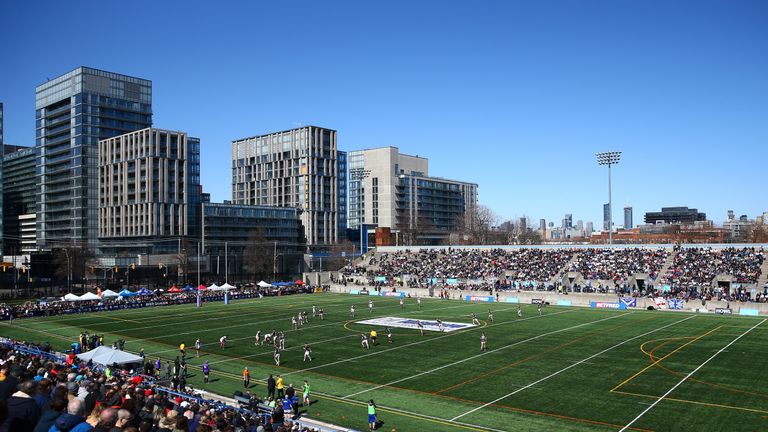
pixel 410 323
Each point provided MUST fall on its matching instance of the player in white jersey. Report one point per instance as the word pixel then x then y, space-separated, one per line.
pixel 322 314
pixel 490 315
pixel 352 310
pixel 314 311
pixel 418 301
pixel 370 306
pixel 519 311
pixel 475 321
pixel 198 345
pixel 294 323
pixel 420 325
pixel 276 356
pixel 389 334
pixel 364 341
pixel 222 342
pixel 281 338
pixel 402 303
pixel 258 338
pixel 483 342
pixel 307 352
pixel 538 308
pixel 440 325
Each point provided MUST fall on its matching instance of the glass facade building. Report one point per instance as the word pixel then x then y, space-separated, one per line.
pixel 2 229
pixel 74 112
pixel 18 194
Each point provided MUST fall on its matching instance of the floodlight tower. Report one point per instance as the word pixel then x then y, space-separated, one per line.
pixel 609 158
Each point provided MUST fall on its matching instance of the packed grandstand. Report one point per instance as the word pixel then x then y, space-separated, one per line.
pixel 688 273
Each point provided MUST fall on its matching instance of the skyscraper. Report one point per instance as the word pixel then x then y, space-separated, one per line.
pixel 627 217
pixel 607 217
pixel 294 168
pixel 1 175
pixel 18 197
pixel 74 112
pixel 149 188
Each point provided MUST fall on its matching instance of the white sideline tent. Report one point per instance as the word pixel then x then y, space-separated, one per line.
pixel 227 286
pixel 71 297
pixel 89 296
pixel 214 287
pixel 264 284
pixel 106 356
pixel 109 293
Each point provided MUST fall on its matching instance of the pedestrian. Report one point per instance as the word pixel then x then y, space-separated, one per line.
pixel 280 387
pixel 271 386
pixel 206 372
pixel 372 420
pixel 246 377
pixel 305 394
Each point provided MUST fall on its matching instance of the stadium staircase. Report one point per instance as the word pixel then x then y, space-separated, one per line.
pixel 667 265
pixel 561 274
pixel 763 275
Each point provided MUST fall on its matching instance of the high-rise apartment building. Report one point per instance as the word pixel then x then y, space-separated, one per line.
pixel 628 217
pixel 671 215
pixel 149 188
pixel 607 217
pixel 394 190
pixel 73 112
pixel 18 197
pixel 2 230
pixel 299 168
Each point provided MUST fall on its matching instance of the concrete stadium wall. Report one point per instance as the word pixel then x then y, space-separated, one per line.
pixel 571 299
pixel 385 249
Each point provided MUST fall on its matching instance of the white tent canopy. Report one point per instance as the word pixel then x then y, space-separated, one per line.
pixel 89 296
pixel 71 297
pixel 109 293
pixel 227 286
pixel 107 356
pixel 214 287
pixel 264 284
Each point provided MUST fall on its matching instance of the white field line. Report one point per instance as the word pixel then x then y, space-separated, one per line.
pixel 231 359
pixel 287 319
pixel 229 316
pixel 305 328
pixel 688 376
pixel 569 367
pixel 421 342
pixel 484 353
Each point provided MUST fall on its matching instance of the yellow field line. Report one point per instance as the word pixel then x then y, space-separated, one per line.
pixel 694 402
pixel 662 358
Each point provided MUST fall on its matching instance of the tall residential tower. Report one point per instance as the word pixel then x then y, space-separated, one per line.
pixel 74 112
pixel 299 168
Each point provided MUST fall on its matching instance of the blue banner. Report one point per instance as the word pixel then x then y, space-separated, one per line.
pixel 607 305
pixel 749 312
pixel 512 300
pixel 393 294
pixel 354 292
pixel 381 279
pixel 564 303
pixel 629 301
pixel 487 299
pixel 676 304
pixel 452 281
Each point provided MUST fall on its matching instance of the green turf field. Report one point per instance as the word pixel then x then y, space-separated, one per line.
pixel 571 369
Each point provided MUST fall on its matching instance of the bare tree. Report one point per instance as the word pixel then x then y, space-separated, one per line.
pixel 339 254
pixel 259 259
pixel 482 220
pixel 758 233
pixel 71 261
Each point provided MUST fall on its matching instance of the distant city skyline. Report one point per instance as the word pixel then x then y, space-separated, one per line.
pixel 516 97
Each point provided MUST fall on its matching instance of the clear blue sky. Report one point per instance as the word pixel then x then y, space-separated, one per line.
pixel 515 96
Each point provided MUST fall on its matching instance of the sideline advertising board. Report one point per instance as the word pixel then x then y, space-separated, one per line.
pixel 487 299
pixel 608 305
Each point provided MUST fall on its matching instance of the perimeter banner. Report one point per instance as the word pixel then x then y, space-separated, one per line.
pixel 487 299
pixel 629 301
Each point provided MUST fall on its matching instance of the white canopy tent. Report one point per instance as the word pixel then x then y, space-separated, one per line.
pixel 71 297
pixel 89 296
pixel 227 286
pixel 107 356
pixel 214 287
pixel 264 284
pixel 109 293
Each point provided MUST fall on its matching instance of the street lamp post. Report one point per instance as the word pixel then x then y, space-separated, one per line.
pixel 609 158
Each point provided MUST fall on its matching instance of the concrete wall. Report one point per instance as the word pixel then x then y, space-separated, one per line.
pixel 572 299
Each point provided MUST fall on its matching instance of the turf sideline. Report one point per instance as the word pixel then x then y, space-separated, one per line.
pixel 569 367
pixel 688 376
pixel 484 353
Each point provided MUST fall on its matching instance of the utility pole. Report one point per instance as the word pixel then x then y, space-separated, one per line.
pixel 274 262
pixel 226 263
pixel 198 264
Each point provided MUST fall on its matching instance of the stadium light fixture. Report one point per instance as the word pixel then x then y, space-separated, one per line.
pixel 609 158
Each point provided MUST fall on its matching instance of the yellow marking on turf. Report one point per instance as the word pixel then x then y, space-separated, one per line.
pixel 714 405
pixel 662 358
